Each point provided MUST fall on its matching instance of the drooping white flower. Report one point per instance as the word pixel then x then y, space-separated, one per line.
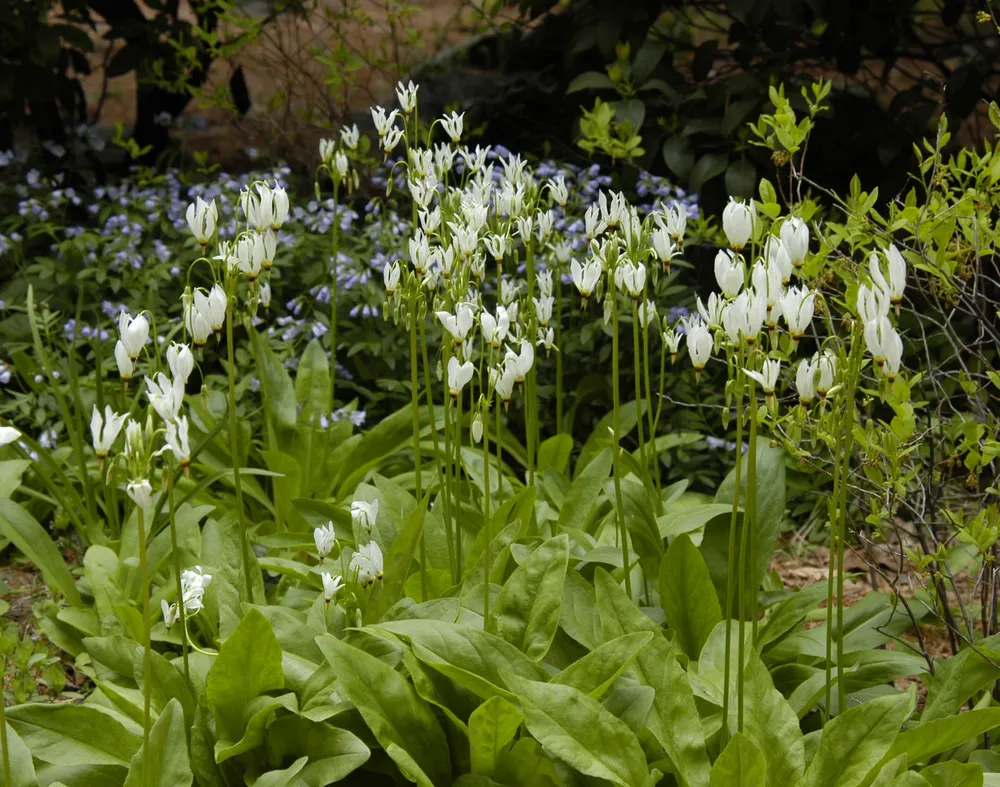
pixel 265 295
pixel 477 429
pixel 675 219
pixel 738 220
pixel 134 442
pixel 797 308
pixel 367 563
pixel 631 277
pixel 896 283
pixel 503 382
pixel 104 431
pixel 893 355
pixel 585 277
pixel 826 365
pixel 730 273
pixel 495 328
pixel 407 95
pixel 171 614
pixel 699 343
pixel 795 240
pixel 325 538
pixel 125 366
pixel 194 583
pixel 672 340
pixel 744 316
pixel 452 125
pixel 543 309
pixel 712 312
pixel 202 218
pixel 133 332
pixel 140 492
pixel 776 255
pixel 391 274
pixel 459 375
pixel 382 121
pixel 767 279
pixel 880 338
pixel 331 586
pixel 558 190
pixel 460 323
pixel 350 136
pixel 544 282
pixel 196 323
pixel 496 245
pixel 873 303
pixel 180 359
pixel 805 381
pixel 647 313
pixel 249 254
pixel 593 222
pixel 364 513
pixel 521 361
pixel 166 395
pixel 177 440
pixel 546 338
pixel 8 435
pixel 663 246
pixel 767 376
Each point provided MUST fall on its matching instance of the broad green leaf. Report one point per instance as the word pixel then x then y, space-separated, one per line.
pixel 934 737
pixel 554 452
pixel 401 721
pixel 283 778
pixel 787 615
pixel 855 741
pixel 279 393
pixel 248 665
pixel 66 734
pixel 690 518
pixel 527 765
pixel 957 679
pixel 741 764
pixel 596 671
pixel 578 616
pixel 332 753
pixel 687 596
pixel 11 471
pixel 259 712
pixel 770 723
pixel 527 611
pixel 953 774
pixel 586 488
pixel 166 763
pixel 22 770
pixel 471 657
pixel 491 727
pixel 30 537
pixel 398 562
pixel 312 380
pixel 674 721
pixel 577 729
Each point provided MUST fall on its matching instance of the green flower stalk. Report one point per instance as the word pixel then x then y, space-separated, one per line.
pixel 731 561
pixel 415 406
pixel 175 552
pixel 234 450
pixel 616 448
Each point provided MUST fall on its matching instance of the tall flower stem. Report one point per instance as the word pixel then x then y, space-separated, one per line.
pixel 616 448
pixel 415 406
pixel 458 481
pixel 234 450
pixel 432 415
pixel 334 283
pixel 451 511
pixel 499 458
pixel 746 543
pixel 4 749
pixel 638 385
pixel 731 561
pixel 486 520
pixel 147 652
pixel 654 454
pixel 750 517
pixel 177 566
pixel 531 384
pixel 559 360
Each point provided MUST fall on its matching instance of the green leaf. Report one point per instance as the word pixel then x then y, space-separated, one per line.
pixel 855 741
pixel 30 537
pixel 590 80
pixel 741 764
pixel 770 723
pixel 283 778
pixel 166 763
pixel 71 735
pixel 527 610
pixel 577 729
pixel 312 380
pixel 10 475
pixel 687 595
pixel 402 722
pixel 957 679
pixel 469 656
pixel 279 393
pixel 398 562
pixel 584 491
pixel 248 665
pixel 22 770
pixel 596 671
pixel 332 753
pixel 691 518
pixel 709 166
pixel 491 727
pixel 578 616
pixel 934 737
pixel 555 452
pixel 953 774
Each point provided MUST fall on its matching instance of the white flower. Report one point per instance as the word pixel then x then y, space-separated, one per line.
pixel 350 135
pixel 460 323
pixel 265 295
pixel 125 366
pixel 672 339
pixel 546 339
pixel 521 362
pixel 663 245
pixel 504 382
pixel 826 364
pixel 165 395
pixel 325 538
pixel 279 206
pixel 544 281
pixel 475 160
pixel 631 277
pixel 177 440
pixel 730 273
pixel 134 445
pixel 805 381
pixel 213 306
pixel 171 614
pixel 712 313
pixel 477 429
pixel 452 125
pixel 341 164
pixel 270 241
pixel 391 274
pixel 459 375
pixel 795 240
pixel 140 492
pixel 327 148
pixel 767 376
pixel 407 95
pixel 797 308
pixel 699 342
pixel 676 222
pixel 738 220
pixel 383 122
pixel 879 338
pixel 893 355
pixel 133 333
pixel 202 218
pixel 180 359
pixel 331 586
pixel 193 586
pixel 544 221
pixel 558 190
pixel 873 304
pixel 647 313
pixel 593 222
pixel 364 513
pixel 196 323
pixel 585 277
pixel 897 273
pixel 776 255
pixel 249 254
pixel 543 309
pixel 104 432
pixel 767 279
pixel 367 562
pixel 430 220
pixel 744 316
pixel 495 328
pixel 8 434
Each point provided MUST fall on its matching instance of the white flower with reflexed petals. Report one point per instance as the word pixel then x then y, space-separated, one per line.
pixel 675 221
pixel 873 303
pixel 382 121
pixel 893 355
pixel 407 95
pixel 672 341
pixel 521 361
pixel 826 365
pixel 125 366
pixel 170 613
pixel 730 273
pixel 699 343
pixel 543 309
pixel 744 316
pixel 805 381
pixel 140 492
pixel 797 308
pixel 767 376
pixel 767 279
pixel 202 218
pixel 631 278
pixel 738 220
pixel 460 323
pixel 391 274
pixel 495 328
pixel 663 245
pixel 350 136
pixel 165 395
pixel 180 359
pixel 896 283
pixel 459 375
pixel 325 538
pixel 880 338
pixel 104 431
pixel 133 332
pixel 8 435
pixel 367 563
pixel 795 240
pixel 364 513
pixel 177 440
pixel 711 312
pixel 452 125
pixel 331 586
pixel 503 382
pixel 585 277
pixel 776 255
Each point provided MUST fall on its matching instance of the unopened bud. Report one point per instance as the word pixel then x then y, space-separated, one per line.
pixel 477 429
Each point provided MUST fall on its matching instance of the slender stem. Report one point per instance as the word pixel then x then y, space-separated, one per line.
pixel 4 750
pixel 234 450
pixel 750 517
pixel 486 520
pixel 831 571
pixel 177 567
pixel 638 386
pixel 147 660
pixel 431 413
pixel 417 480
pixel 334 283
pixel 451 502
pixel 458 481
pixel 559 360
pixel 531 400
pixel 746 543
pixel 659 402
pixel 499 467
pixel 654 457
pixel 730 568
pixel 616 448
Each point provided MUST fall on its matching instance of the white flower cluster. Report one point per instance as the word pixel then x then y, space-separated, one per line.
pixel 194 582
